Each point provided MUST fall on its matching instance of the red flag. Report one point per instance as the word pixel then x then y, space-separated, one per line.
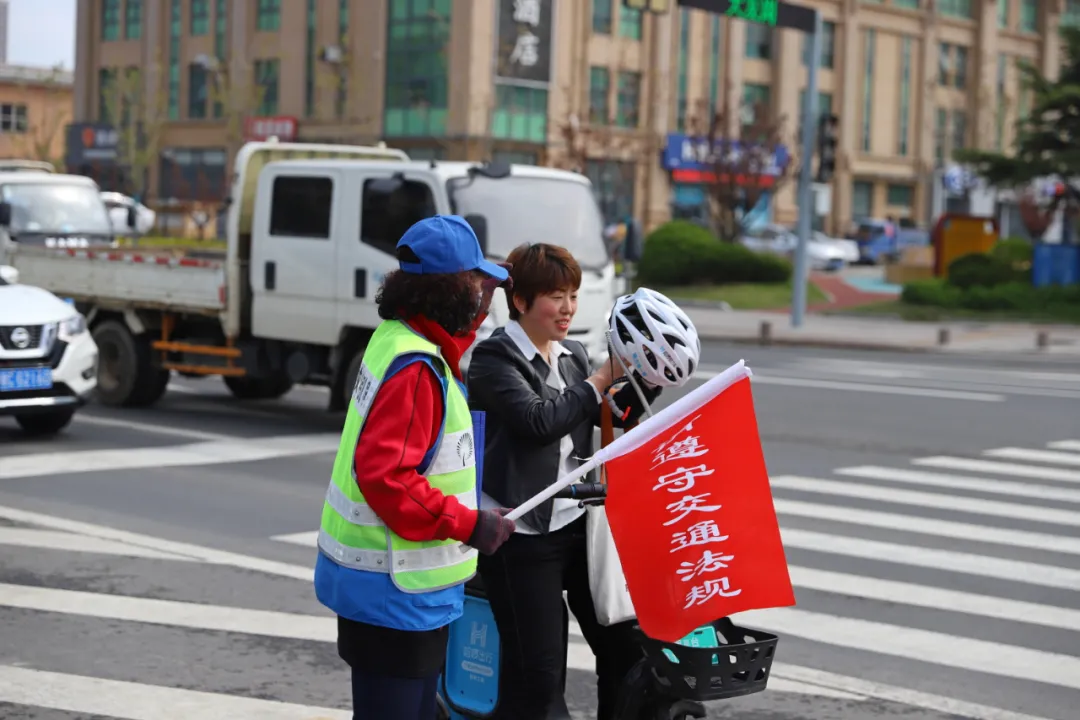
pixel 692 516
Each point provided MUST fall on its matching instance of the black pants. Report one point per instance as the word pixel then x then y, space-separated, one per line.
pixel 525 580
pixel 387 697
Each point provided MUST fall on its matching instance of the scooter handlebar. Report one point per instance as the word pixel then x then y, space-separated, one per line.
pixel 583 491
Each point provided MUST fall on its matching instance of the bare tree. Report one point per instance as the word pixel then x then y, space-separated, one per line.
pixel 238 98
pixel 138 110
pixel 42 140
pixel 742 169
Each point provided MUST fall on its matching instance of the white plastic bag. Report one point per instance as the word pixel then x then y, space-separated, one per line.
pixel 606 580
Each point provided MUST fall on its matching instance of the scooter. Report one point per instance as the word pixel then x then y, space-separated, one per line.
pixel 671 681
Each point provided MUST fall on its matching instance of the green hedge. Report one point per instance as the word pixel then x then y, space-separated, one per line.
pixel 1018 297
pixel 984 270
pixel 682 253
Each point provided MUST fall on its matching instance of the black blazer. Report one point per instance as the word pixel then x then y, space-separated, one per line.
pixel 526 418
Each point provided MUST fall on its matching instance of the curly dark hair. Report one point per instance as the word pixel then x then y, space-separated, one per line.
pixel 450 300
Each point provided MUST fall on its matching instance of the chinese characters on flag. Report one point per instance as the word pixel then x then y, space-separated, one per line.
pixel 693 520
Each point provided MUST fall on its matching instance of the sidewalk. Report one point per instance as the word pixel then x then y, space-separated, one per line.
pixel 885 333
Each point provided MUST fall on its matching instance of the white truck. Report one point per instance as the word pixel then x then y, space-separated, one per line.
pixel 311 232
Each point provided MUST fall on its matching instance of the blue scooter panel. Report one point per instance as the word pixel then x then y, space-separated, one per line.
pixel 470 682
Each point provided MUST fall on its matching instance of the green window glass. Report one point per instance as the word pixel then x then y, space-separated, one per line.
pixel 899 196
pixel 267 74
pixel 940 128
pixel 197 91
pixel 955 8
pixel 629 99
pixel 868 89
pixel 268 16
pixel 903 127
pixel 1029 16
pixel 758 41
pixel 520 114
pixel 601 17
pixel 133 19
pixel 1071 16
pixel 342 95
pixel 1003 13
pixel 629 22
pixel 200 17
pixel 174 58
pixel 828 45
pixel 110 20
pixel 906 4
pixel 221 24
pixel 106 93
pixel 599 91
pixel 714 68
pixel 684 49
pixel 417 78
pixel 309 60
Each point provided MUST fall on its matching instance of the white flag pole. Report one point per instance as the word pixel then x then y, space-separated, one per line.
pixel 643 433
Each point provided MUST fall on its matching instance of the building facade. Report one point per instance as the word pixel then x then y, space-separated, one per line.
pixel 584 84
pixel 35 106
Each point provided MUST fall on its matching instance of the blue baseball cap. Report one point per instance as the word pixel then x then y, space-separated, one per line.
pixel 446 244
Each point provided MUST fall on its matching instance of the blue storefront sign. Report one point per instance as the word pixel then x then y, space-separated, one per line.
pixel 690 158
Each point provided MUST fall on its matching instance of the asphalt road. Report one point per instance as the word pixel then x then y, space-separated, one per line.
pixel 930 508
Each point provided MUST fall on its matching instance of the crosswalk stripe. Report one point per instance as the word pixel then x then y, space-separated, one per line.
pixel 71 542
pixel 1040 456
pixel 976 506
pixel 137 701
pixel 928 526
pixel 935 393
pixel 201 453
pixel 951 560
pixel 928 596
pixel 920 645
pixel 1000 487
pixel 307 539
pixel 1070 445
pixel 999 468
pixel 149 428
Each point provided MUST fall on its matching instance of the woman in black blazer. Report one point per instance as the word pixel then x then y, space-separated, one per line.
pixel 542 403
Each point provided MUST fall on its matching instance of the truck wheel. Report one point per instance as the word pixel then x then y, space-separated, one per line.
pixel 45 423
pixel 265 388
pixel 126 372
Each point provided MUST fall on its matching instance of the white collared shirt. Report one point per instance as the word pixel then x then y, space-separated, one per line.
pixel 565 510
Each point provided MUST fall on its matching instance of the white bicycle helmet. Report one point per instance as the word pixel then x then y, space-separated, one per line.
pixel 655 337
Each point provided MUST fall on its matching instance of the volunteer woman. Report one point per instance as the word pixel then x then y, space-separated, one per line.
pixel 402 495
pixel 542 404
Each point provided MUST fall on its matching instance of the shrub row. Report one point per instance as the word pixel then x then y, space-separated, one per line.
pixel 1020 297
pixel 682 253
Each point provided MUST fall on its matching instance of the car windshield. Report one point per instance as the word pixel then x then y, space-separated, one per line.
pixel 55 208
pixel 523 210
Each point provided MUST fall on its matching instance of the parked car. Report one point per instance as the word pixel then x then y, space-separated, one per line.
pixel 824 253
pixel 118 205
pixel 48 359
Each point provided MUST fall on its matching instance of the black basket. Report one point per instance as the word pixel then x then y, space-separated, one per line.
pixel 739 666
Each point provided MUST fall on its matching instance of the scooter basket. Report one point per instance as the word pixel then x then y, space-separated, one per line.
pixel 737 665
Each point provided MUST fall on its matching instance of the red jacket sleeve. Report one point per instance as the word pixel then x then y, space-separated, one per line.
pixel 402 425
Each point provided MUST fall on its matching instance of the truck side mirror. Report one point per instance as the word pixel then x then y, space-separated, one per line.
pixel 132 215
pixel 634 243
pixel 479 225
pixel 5 214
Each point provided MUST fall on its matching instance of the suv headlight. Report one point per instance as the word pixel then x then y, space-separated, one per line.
pixel 72 327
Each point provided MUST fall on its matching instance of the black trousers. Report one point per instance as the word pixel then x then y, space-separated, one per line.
pixel 525 580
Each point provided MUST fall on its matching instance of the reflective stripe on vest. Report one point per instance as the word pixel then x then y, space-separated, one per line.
pixel 352 534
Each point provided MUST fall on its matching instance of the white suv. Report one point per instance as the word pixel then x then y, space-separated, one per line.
pixel 48 361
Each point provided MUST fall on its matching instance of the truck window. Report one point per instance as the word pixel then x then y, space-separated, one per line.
pixel 386 216
pixel 300 207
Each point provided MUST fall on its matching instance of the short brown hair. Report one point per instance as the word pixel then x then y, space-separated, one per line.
pixel 540 269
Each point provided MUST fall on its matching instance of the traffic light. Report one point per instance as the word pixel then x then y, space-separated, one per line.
pixel 827 128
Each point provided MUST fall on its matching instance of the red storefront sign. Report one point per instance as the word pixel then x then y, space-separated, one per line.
pixel 282 127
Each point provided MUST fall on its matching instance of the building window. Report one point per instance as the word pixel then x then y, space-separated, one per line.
pixel 828 45
pixel 200 17
pixel 940 128
pixel 959 139
pixel 342 96
pixel 520 114
pixel 601 17
pixel 903 127
pixel 106 92
pixel 862 200
pixel 629 22
pixel 267 74
pixel 13 118
pixel 999 119
pixel 599 90
pixel 944 63
pixel 510 157
pixel 309 60
pixel 110 20
pixel 613 186
pixel 416 69
pixel 629 99
pixel 1071 16
pixel 955 8
pixel 197 91
pixel 133 19
pixel 174 59
pixel 714 69
pixel 899 196
pixel 1003 13
pixel 960 67
pixel 192 174
pixel 868 89
pixel 906 4
pixel 756 99
pixel 824 107
pixel 1029 16
pixel 681 101
pixel 300 207
pixel 268 16
pixel 758 41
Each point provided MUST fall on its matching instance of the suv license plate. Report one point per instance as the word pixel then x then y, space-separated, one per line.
pixel 20 379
